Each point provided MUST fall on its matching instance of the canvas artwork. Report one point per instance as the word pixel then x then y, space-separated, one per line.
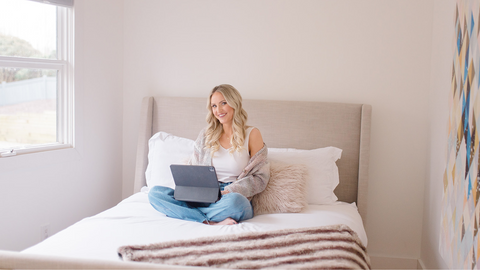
pixel 459 239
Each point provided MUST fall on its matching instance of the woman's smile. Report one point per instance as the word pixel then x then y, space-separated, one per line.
pixel 222 117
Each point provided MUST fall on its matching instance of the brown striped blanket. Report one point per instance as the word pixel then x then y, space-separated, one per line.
pixel 329 247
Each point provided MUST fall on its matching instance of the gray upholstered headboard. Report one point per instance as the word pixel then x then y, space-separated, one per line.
pixel 292 124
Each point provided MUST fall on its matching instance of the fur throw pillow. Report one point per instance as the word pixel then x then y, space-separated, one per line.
pixel 285 192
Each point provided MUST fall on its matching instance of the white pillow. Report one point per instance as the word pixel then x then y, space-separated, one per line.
pixel 322 171
pixel 165 149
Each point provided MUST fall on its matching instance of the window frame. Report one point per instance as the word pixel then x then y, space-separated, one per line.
pixel 65 127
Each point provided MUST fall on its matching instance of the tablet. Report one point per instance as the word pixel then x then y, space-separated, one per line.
pixel 194 183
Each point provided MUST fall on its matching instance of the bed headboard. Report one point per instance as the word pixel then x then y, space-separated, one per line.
pixel 283 124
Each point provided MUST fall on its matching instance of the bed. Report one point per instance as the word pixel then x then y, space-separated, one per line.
pixel 286 127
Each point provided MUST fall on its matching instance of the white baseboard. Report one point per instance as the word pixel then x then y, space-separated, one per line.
pixel 379 262
pixel 421 265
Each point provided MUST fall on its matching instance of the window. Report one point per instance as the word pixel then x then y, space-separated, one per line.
pixel 36 75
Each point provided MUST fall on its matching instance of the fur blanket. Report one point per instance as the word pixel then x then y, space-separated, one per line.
pixel 326 247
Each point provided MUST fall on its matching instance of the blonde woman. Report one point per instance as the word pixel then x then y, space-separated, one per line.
pixel 239 156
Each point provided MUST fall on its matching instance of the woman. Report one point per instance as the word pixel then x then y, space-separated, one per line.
pixel 239 156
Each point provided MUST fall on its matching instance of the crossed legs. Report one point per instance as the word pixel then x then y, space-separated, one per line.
pixel 230 209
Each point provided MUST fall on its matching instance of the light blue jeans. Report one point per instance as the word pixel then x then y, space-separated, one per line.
pixel 231 205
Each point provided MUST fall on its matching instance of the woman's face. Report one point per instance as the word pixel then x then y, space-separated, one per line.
pixel 221 110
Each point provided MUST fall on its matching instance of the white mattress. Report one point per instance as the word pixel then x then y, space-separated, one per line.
pixel 135 221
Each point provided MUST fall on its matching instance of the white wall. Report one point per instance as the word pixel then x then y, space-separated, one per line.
pixel 373 51
pixel 61 187
pixel 441 76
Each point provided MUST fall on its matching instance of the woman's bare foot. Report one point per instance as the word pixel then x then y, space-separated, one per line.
pixel 227 221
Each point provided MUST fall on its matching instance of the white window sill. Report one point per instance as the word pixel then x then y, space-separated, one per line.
pixel 6 153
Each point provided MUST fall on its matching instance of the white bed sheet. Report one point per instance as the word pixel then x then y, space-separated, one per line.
pixel 135 221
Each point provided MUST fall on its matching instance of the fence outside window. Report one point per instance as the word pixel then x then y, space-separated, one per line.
pixel 28 112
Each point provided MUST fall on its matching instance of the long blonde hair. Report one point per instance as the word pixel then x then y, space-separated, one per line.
pixel 215 128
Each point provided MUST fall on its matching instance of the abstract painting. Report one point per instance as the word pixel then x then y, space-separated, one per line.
pixel 459 238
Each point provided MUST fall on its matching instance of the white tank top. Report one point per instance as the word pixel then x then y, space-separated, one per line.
pixel 230 166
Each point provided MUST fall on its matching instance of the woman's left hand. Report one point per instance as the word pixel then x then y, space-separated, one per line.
pixel 225 192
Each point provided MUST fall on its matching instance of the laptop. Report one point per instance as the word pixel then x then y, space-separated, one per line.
pixel 194 183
